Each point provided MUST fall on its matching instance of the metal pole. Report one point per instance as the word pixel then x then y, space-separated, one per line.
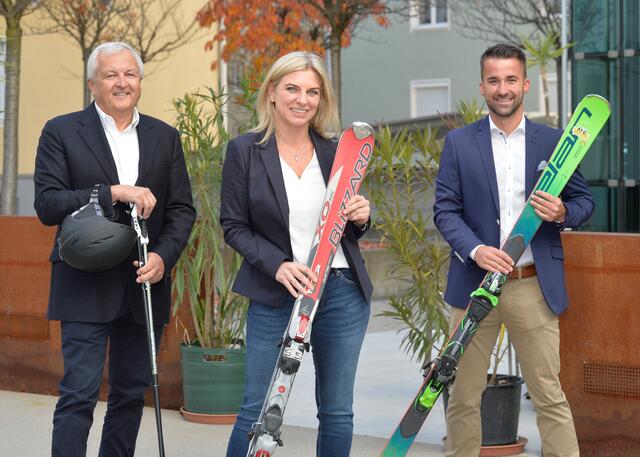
pixel 621 127
pixel 564 108
pixel 140 227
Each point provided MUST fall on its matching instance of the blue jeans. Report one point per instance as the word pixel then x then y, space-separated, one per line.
pixel 336 338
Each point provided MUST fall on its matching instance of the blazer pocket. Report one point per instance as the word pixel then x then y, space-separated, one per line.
pixel 557 252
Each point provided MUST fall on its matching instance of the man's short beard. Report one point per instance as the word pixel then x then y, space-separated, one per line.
pixel 516 106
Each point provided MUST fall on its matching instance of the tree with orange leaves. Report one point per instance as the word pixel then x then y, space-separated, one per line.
pixel 262 30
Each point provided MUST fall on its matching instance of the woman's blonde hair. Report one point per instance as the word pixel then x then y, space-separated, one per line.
pixel 325 121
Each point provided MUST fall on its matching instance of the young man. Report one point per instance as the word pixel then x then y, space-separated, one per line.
pixel 487 171
pixel 124 157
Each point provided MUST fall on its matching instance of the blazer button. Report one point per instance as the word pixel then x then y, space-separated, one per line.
pixel 498 222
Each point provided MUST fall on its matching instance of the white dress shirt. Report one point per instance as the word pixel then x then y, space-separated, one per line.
pixel 509 159
pixel 305 196
pixel 124 146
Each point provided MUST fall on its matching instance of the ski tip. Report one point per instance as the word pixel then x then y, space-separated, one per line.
pixel 601 98
pixel 362 130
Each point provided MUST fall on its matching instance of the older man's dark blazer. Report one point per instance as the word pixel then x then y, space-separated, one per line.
pixel 254 214
pixel 74 155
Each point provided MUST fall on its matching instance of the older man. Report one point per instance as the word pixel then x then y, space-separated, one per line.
pixel 122 157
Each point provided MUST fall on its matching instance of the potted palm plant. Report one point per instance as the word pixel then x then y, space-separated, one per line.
pixel 400 184
pixel 212 351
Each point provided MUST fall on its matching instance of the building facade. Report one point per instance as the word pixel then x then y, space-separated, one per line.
pixel 51 84
pixel 417 67
pixel 606 61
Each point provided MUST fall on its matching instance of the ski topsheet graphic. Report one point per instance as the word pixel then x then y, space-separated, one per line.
pixel 349 166
pixel 588 119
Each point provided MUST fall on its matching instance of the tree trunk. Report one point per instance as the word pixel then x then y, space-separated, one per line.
pixel 560 92
pixel 335 48
pixel 8 203
pixel 86 93
pixel 545 93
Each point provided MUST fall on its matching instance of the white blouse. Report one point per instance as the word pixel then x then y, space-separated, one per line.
pixel 305 196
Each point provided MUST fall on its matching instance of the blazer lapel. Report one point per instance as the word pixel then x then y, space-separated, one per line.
pixel 531 156
pixel 147 148
pixel 325 154
pixel 486 153
pixel 92 133
pixel 271 161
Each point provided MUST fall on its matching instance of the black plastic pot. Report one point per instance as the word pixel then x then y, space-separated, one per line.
pixel 500 410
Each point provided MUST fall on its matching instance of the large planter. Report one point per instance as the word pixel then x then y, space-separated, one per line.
pixel 500 413
pixel 212 383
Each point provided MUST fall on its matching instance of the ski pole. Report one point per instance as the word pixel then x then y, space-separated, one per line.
pixel 140 227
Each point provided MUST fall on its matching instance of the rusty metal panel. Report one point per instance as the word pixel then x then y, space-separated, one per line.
pixel 610 380
pixel 30 353
pixel 24 327
pixel 599 337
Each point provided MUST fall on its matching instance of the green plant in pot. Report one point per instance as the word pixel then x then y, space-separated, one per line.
pixel 401 184
pixel 213 317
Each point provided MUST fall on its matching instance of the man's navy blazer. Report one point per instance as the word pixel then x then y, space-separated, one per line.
pixel 74 155
pixel 254 214
pixel 467 210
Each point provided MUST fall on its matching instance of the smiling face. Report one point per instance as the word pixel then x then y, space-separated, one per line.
pixel 503 86
pixel 296 98
pixel 116 84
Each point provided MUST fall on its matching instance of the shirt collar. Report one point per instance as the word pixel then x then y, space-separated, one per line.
pixel 108 121
pixel 495 129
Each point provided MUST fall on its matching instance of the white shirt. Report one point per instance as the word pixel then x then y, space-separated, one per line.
pixel 124 146
pixel 509 159
pixel 305 196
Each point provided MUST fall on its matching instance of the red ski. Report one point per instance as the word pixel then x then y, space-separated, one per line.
pixel 349 166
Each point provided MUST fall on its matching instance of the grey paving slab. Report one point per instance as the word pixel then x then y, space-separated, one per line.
pixel 25 420
pixel 386 381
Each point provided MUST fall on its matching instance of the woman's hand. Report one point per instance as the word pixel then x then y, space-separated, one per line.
pixel 357 210
pixel 297 278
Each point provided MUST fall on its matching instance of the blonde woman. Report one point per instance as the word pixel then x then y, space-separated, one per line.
pixel 273 184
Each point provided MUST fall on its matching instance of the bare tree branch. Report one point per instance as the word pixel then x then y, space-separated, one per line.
pixel 517 21
pixel 155 28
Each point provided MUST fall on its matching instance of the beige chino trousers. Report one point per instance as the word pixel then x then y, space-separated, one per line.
pixel 534 331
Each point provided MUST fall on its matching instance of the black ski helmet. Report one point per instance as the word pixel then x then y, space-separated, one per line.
pixel 88 241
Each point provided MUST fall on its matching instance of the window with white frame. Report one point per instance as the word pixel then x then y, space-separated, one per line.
pixel 430 97
pixel 428 14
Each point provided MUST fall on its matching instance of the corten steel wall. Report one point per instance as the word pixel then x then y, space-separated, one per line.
pixel 30 356
pixel 600 341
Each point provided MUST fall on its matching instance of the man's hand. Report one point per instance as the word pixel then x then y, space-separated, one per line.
pixel 297 278
pixel 357 210
pixel 548 207
pixel 141 196
pixel 153 271
pixel 492 259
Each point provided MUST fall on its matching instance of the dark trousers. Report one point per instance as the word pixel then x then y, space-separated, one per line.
pixel 84 348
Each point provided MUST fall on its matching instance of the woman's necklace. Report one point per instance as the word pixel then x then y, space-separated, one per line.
pixel 296 155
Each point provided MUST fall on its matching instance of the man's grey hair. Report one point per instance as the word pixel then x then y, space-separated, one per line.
pixel 111 48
